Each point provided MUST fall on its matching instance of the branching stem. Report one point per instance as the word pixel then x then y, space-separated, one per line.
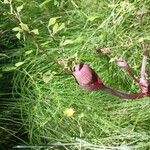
pixel 143 79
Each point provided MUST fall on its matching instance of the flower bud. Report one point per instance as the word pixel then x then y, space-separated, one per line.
pixel 87 78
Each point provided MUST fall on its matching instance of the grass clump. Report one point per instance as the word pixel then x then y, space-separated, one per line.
pixel 45 91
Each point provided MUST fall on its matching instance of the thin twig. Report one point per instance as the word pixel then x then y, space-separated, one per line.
pixel 49 56
pixel 123 64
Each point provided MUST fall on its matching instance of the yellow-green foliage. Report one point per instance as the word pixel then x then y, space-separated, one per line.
pixel 68 32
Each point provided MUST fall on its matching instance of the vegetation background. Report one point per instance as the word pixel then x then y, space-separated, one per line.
pixel 39 41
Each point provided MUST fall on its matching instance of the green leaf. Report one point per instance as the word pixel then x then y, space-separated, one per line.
pixel 17 29
pixel 66 42
pixel 24 37
pixel 92 18
pixel 55 28
pixel 8 68
pixel 19 8
pixel 18 35
pixel 45 43
pixel 62 26
pixel 18 64
pixel 52 21
pixel 35 31
pixel 28 52
pixel 24 26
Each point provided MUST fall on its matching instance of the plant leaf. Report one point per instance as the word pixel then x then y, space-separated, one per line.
pixel 92 18
pixel 18 64
pixel 55 28
pixel 8 68
pixel 24 26
pixel 52 21
pixel 35 31
pixel 17 29
pixel 19 8
pixel 18 35
pixel 62 26
pixel 28 52
pixel 66 42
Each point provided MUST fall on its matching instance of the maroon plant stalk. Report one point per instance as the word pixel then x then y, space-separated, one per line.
pixel 142 83
pixel 123 95
pixel 89 80
pixel 143 79
pixel 123 64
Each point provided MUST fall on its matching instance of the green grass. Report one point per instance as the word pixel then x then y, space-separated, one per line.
pixel 99 118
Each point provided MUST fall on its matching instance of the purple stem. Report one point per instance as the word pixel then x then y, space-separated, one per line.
pixel 143 80
pixel 122 95
pixel 144 61
pixel 124 65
